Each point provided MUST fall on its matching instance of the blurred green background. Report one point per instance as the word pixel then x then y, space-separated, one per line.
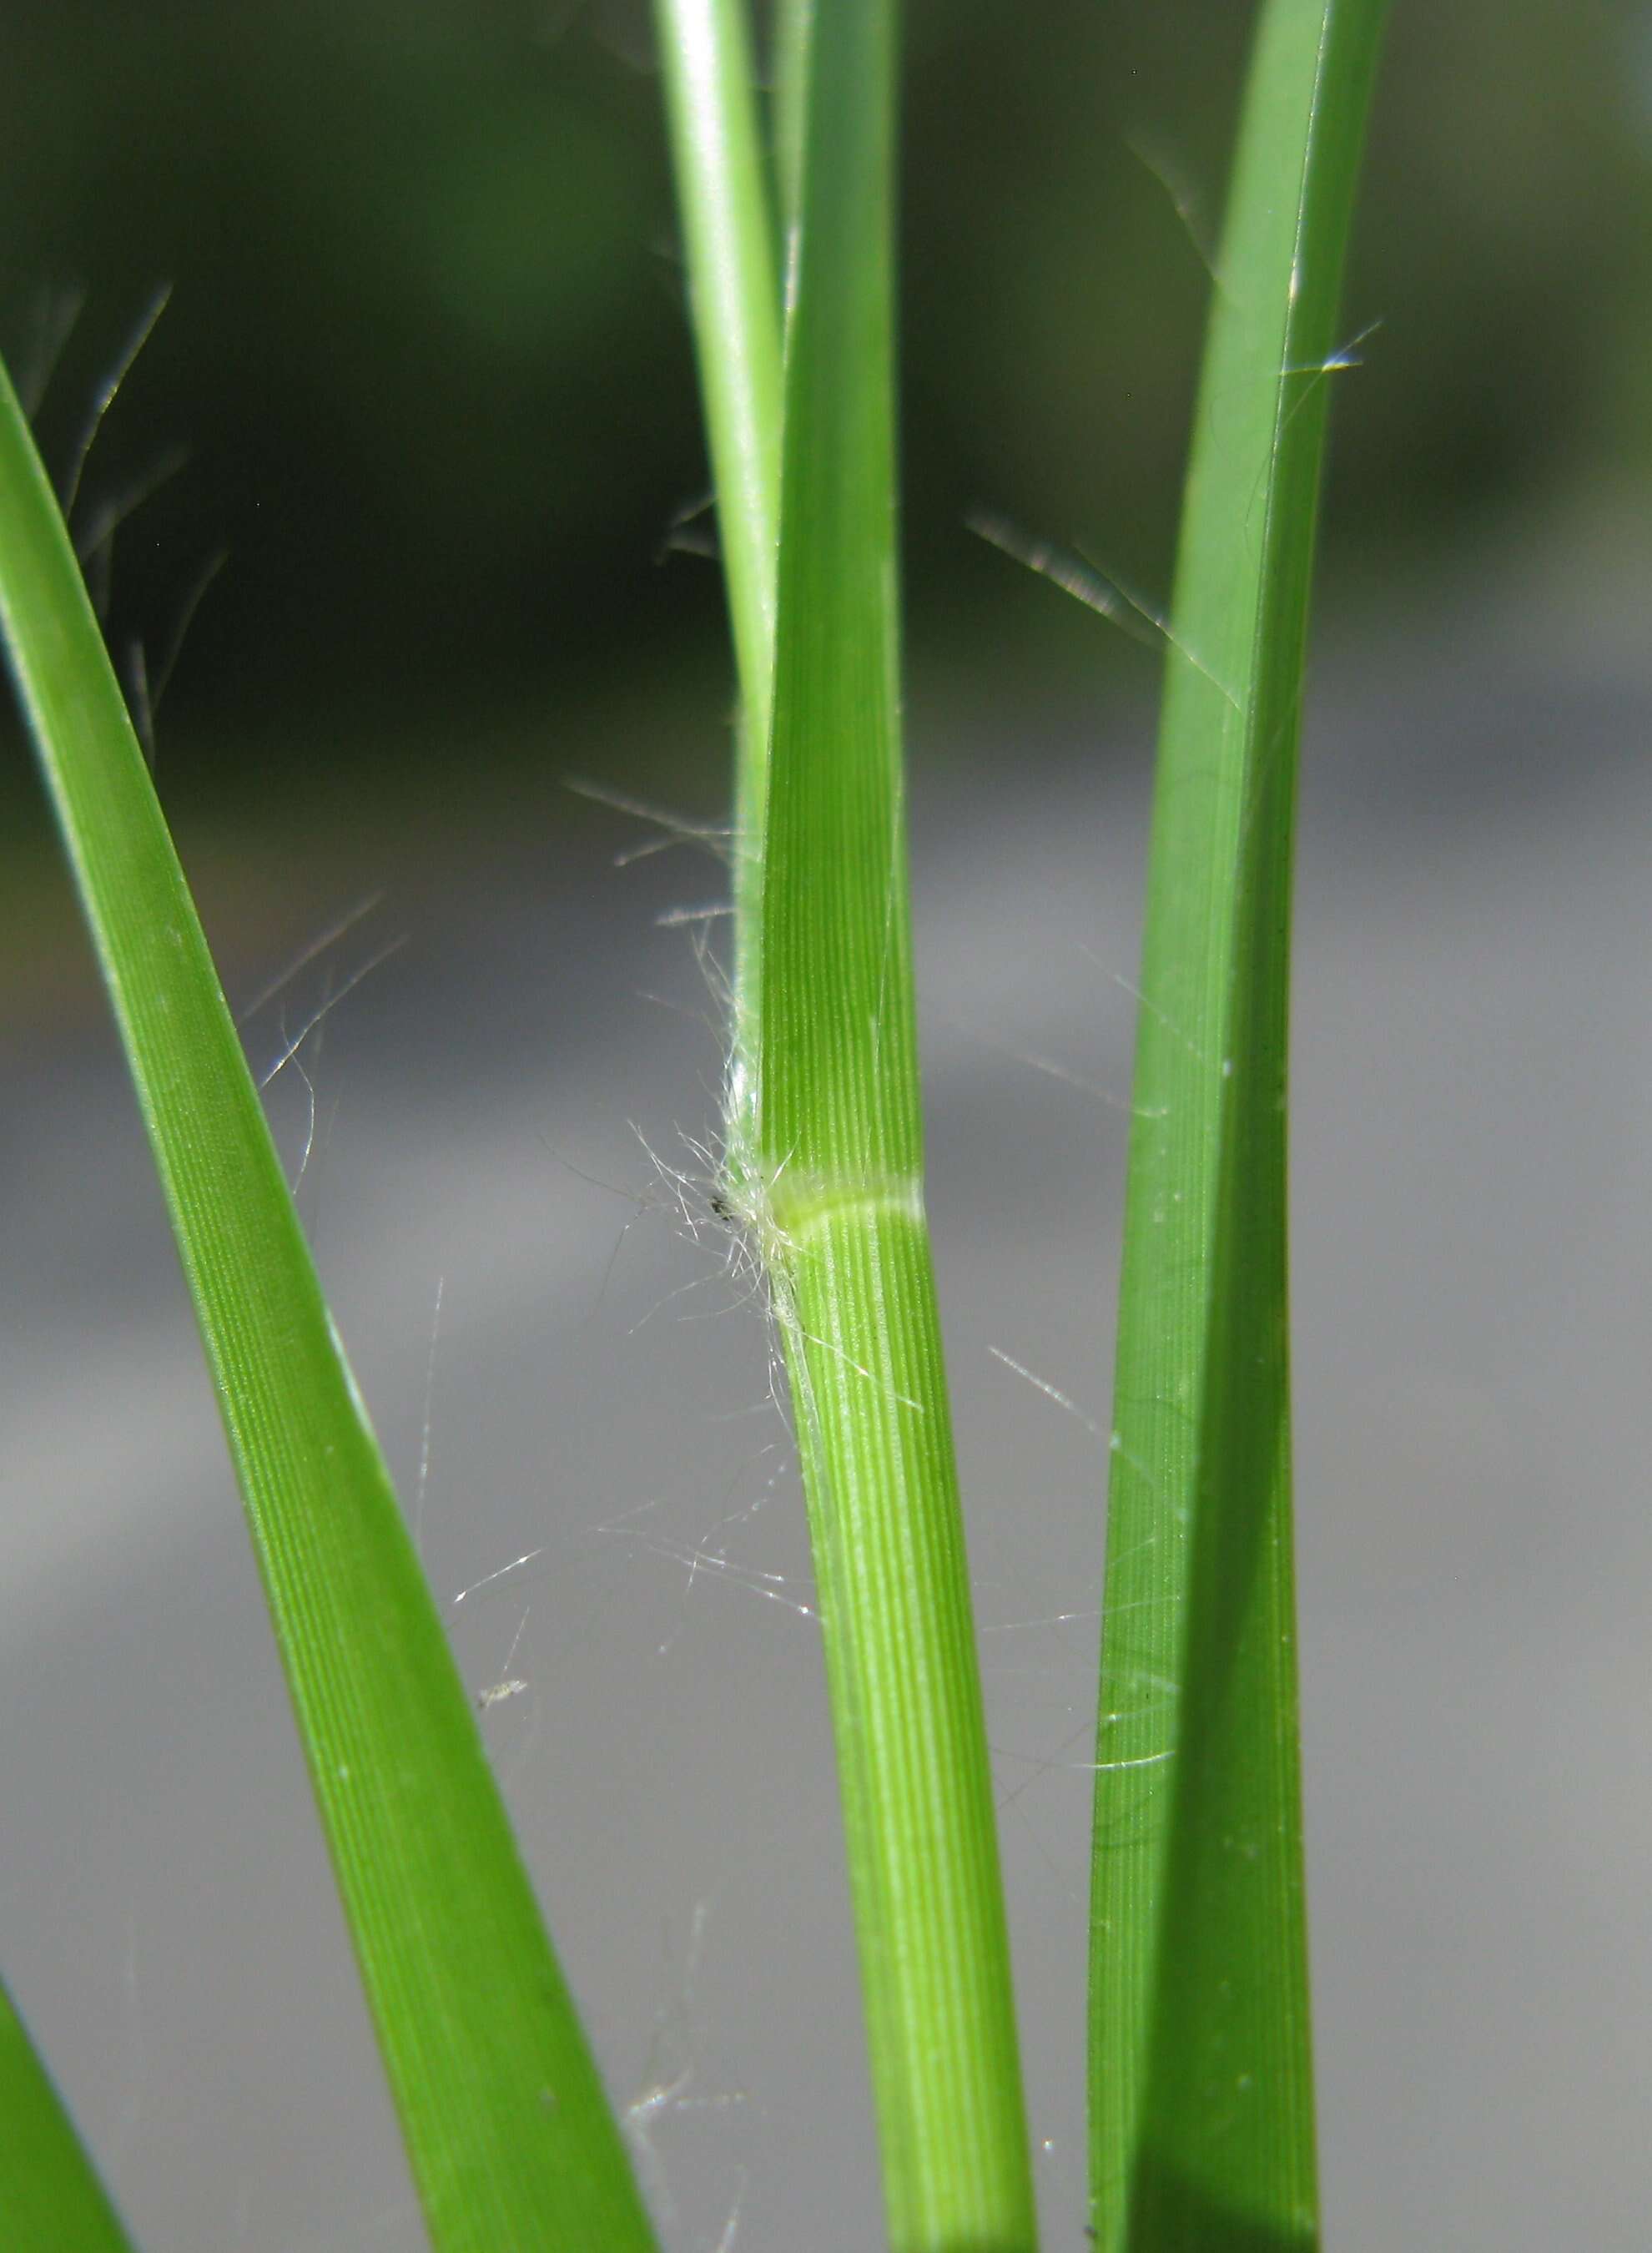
pixel 427 352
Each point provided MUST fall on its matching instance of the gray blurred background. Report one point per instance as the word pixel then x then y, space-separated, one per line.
pixel 427 356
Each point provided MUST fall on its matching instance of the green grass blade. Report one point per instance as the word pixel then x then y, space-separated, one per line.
pixel 50 2194
pixel 705 52
pixel 1200 2077
pixel 793 21
pixel 510 2139
pixel 834 1193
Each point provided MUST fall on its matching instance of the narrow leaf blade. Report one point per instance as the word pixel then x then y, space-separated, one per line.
pixel 509 2133
pixel 50 2194
pixel 1200 2071
pixel 728 234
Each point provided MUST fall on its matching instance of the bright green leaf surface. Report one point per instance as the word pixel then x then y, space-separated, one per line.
pixel 510 2136
pixel 705 55
pixel 793 23
pixel 51 2200
pixel 706 59
pixel 824 1167
pixel 1201 2079
pixel 838 1211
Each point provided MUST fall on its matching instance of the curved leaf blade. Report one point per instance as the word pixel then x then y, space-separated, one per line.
pixel 1200 2071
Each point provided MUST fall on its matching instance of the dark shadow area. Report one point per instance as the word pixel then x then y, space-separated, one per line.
pixel 1170 2214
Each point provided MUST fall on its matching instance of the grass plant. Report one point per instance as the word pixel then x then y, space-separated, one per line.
pixel 1200 2054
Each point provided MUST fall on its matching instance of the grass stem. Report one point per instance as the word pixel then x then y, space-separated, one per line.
pixel 826 1170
